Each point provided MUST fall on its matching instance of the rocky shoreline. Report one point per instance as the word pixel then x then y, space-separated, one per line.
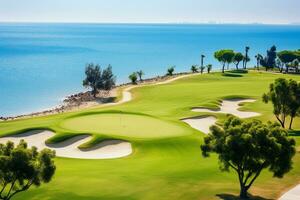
pixel 86 99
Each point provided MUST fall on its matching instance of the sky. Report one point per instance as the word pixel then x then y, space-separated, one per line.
pixel 151 11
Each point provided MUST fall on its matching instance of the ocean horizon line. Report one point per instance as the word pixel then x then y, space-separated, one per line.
pixel 154 23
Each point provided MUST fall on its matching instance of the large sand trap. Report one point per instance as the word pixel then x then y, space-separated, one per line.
pixel 231 107
pixel 69 148
pixel 227 107
pixel 292 194
pixel 201 123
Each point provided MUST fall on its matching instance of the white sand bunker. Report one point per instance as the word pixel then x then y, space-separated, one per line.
pixel 231 107
pixel 293 194
pixel 201 123
pixel 227 107
pixel 69 148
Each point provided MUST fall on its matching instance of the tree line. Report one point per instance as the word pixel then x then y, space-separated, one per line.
pixel 284 61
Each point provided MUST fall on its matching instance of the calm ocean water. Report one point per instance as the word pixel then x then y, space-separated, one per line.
pixel 42 63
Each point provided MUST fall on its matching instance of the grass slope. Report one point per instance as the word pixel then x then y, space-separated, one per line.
pixel 163 166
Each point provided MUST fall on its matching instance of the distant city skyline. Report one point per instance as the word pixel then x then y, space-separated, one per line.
pixel 155 11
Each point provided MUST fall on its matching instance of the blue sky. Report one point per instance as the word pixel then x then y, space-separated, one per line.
pixel 158 11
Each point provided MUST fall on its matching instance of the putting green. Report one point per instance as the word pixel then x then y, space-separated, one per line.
pixel 124 125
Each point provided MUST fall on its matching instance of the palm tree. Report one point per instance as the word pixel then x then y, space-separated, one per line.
pixel 202 60
pixel 194 68
pixel 140 73
pixel 258 59
pixel 209 67
pixel 246 57
pixel 202 68
pixel 170 71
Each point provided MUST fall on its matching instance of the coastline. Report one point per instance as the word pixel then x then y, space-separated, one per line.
pixel 83 100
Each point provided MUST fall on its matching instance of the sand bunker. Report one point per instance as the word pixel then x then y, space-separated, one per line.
pixel 69 148
pixel 201 123
pixel 231 107
pixel 292 194
pixel 227 107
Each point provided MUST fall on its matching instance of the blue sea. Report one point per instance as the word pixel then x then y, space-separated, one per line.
pixel 42 63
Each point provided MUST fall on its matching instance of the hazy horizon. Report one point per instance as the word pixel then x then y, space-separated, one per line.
pixel 163 23
pixel 156 11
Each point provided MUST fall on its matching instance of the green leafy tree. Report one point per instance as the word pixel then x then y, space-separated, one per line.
pixel 238 57
pixel 269 62
pixel 194 68
pixel 133 78
pixel 294 103
pixel 22 167
pixel 224 56
pixel 108 79
pixel 98 79
pixel 170 71
pixel 280 96
pixel 248 147
pixel 209 68
pixel 219 56
pixel 287 57
pixel 140 73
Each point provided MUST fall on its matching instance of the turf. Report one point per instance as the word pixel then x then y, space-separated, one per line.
pixel 125 125
pixel 166 163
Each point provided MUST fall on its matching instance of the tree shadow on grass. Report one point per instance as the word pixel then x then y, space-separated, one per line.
pixel 73 196
pixel 232 75
pixel 294 133
pixel 235 197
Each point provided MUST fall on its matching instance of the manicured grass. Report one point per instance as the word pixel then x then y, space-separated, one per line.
pixel 165 165
pixel 125 125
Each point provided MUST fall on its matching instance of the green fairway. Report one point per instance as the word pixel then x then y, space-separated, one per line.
pixel 166 163
pixel 125 125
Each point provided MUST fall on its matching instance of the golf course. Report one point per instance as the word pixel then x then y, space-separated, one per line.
pixel 162 158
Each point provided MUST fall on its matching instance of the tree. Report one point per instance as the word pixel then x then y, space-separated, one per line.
pixel 98 80
pixel 224 56
pixel 202 60
pixel 258 58
pixel 22 167
pixel 280 96
pixel 269 62
pixel 294 103
pixel 108 79
pixel 140 73
pixel 209 67
pixel 279 64
pixel 246 58
pixel 170 71
pixel 295 64
pixel 133 78
pixel 194 68
pixel 229 58
pixel 219 56
pixel 287 57
pixel 248 147
pixel 202 68
pixel 238 57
